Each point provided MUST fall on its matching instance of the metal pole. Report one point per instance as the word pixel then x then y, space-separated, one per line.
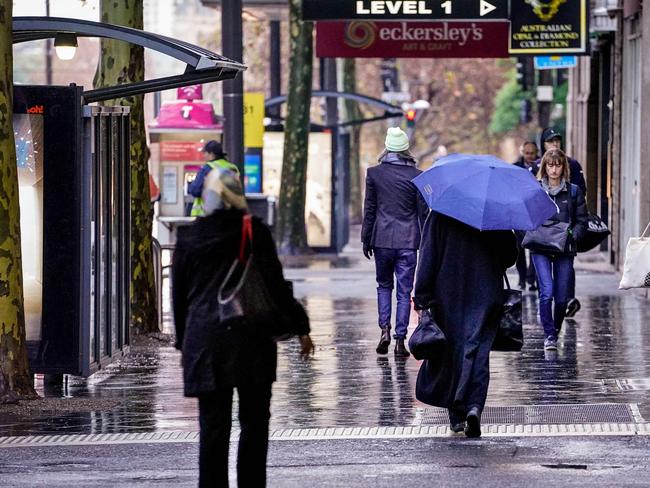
pixel 48 51
pixel 233 98
pixel 544 108
pixel 275 65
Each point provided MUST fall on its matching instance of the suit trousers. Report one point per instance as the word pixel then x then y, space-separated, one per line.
pixel 215 418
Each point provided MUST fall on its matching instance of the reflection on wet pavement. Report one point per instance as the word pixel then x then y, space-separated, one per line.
pixel 603 356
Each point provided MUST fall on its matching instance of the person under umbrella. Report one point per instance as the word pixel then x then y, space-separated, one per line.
pixel 466 247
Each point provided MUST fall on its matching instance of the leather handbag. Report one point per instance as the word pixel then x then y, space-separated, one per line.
pixel 596 233
pixel 550 237
pixel 427 340
pixel 244 296
pixel 510 333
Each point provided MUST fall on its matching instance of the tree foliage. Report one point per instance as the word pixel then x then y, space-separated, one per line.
pixel 121 63
pixel 15 377
pixel 507 106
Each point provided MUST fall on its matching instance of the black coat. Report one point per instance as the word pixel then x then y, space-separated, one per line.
pixel 215 355
pixel 460 277
pixel 533 168
pixel 574 213
pixel 394 210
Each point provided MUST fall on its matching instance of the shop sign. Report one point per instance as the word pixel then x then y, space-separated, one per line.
pixel 364 39
pixel 555 62
pixel 253 119
pixel 404 9
pixel 555 27
pixel 181 151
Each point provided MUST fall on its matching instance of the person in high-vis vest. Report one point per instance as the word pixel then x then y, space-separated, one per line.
pixel 215 158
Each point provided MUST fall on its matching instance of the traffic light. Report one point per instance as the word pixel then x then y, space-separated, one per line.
pixel 410 118
pixel 525 72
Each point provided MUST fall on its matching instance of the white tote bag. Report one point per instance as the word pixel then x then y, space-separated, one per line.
pixel 636 270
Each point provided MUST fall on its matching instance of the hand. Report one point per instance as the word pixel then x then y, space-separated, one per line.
pixel 306 346
pixel 367 250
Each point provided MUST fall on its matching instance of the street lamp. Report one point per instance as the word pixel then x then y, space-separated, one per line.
pixel 65 45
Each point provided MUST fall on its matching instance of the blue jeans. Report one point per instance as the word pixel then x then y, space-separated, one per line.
pixel 554 279
pixel 401 264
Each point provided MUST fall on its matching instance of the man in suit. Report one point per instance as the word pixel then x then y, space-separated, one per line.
pixel 394 212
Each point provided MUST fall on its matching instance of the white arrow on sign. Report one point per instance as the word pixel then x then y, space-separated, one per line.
pixel 486 8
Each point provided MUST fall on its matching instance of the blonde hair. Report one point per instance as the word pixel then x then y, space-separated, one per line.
pixel 554 155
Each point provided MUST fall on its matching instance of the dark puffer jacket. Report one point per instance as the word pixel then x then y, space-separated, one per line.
pixel 216 355
pixel 574 212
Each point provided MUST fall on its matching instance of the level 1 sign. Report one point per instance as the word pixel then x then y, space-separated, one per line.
pixel 363 39
pixel 405 9
pixel 555 27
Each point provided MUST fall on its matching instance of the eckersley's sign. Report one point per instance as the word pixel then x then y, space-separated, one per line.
pixel 364 39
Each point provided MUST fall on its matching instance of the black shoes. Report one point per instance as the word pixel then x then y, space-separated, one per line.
pixel 473 428
pixel 572 307
pixel 384 341
pixel 400 349
pixel 456 423
pixel 532 287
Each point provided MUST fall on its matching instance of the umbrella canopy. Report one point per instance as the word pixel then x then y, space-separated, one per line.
pixel 485 192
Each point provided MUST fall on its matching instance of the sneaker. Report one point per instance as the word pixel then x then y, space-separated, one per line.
pixel 572 307
pixel 550 344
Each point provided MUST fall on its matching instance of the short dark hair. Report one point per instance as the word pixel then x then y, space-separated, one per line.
pixel 215 148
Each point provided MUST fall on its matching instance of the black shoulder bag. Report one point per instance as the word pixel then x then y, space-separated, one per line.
pixel 243 295
pixel 510 333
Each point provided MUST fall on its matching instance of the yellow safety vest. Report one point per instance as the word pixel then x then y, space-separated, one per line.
pixel 197 206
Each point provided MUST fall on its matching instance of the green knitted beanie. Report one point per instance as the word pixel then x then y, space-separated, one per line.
pixel 396 140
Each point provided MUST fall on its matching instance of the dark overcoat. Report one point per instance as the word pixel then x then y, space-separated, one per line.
pixel 460 278
pixel 216 355
pixel 393 209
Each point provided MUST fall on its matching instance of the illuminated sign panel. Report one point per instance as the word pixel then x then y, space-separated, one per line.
pixel 404 9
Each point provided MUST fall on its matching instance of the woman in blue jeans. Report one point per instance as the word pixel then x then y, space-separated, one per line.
pixel 554 268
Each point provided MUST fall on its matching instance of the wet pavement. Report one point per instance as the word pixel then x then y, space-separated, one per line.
pixel 603 357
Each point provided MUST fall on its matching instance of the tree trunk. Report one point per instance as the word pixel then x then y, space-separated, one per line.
pixel 352 112
pixel 16 380
pixel 121 63
pixel 291 232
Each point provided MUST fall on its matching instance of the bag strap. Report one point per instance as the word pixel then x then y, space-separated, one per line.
pixel 246 236
pixel 646 230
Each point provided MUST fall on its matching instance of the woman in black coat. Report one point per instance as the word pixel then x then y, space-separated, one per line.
pixel 555 272
pixel 220 357
pixel 460 280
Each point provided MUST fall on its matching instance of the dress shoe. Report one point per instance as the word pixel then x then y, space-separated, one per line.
pixel 400 349
pixel 473 428
pixel 384 341
pixel 572 307
pixel 456 422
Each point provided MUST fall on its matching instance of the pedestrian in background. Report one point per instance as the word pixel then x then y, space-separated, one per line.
pixel 393 214
pixel 216 357
pixel 551 139
pixel 554 269
pixel 215 158
pixel 460 280
pixel 526 270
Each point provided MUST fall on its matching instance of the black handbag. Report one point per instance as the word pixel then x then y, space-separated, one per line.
pixel 551 237
pixel 596 233
pixel 510 333
pixel 244 296
pixel 427 340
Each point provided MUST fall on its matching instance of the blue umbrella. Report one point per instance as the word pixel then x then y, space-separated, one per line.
pixel 485 192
